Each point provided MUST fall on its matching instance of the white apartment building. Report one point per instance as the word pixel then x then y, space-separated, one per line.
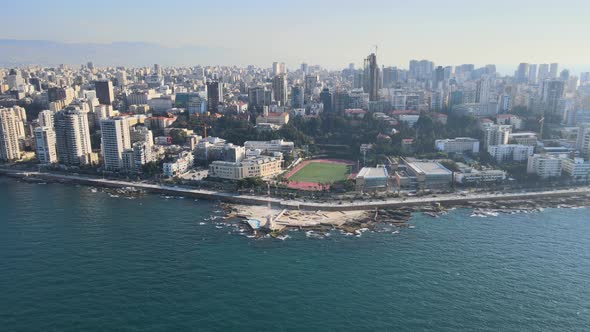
pixel 496 135
pixel 577 168
pixel 545 165
pixel 73 137
pixel 46 118
pixel 457 145
pixel 583 140
pixel 475 176
pixel 115 139
pixel 180 166
pixel 45 143
pixel 270 146
pixel 141 134
pixel 510 152
pixel 9 148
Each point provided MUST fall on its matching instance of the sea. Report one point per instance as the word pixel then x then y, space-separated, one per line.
pixel 77 259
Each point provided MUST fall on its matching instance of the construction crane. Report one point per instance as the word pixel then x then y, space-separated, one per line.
pixel 205 126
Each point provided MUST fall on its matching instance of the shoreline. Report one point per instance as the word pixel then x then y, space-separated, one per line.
pixel 455 200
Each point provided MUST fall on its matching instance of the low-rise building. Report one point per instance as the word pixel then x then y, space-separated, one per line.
pixel 262 167
pixel 372 179
pixel 420 175
pixel 510 152
pixel 278 145
pixel 545 165
pixel 470 176
pixel 458 145
pixel 279 119
pixel 577 169
pixel 181 165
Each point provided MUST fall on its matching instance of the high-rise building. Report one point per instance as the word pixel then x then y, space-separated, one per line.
pixel 482 90
pixel 551 94
pixel 311 82
pixel 326 99
pixel 583 140
pixel 115 139
pixel 543 72
pixel 72 136
pixel 259 97
pixel 46 118
pixel 278 68
pixel 522 73
pixel 372 77
pixel 439 76
pixel 104 92
pixel 390 76
pixel 532 74
pixel 496 135
pixel 214 95
pixel 297 97
pixel 9 148
pixel 304 68
pixel 553 70
pixel 341 101
pixel 45 143
pixel 279 88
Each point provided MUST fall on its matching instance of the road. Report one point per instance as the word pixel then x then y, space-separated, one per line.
pixel 297 204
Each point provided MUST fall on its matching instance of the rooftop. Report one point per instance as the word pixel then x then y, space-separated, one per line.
pixel 429 167
pixel 373 172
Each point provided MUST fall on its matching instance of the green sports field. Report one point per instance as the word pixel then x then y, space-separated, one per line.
pixel 321 173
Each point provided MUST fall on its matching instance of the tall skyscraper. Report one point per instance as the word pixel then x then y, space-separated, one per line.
pixel 305 68
pixel 482 90
pixel 551 94
pixel 72 136
pixel 311 82
pixel 104 92
pixel 9 148
pixel 214 95
pixel 326 99
pixel 297 97
pixel 279 68
pixel 543 72
pixel 372 77
pixel 439 76
pixel 522 73
pixel 45 143
pixel 115 140
pixel 553 70
pixel 279 88
pixel 532 74
pixel 46 118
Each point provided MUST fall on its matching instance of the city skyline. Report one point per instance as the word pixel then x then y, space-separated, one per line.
pixel 330 33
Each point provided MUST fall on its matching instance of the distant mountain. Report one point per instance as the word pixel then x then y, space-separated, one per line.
pixel 43 52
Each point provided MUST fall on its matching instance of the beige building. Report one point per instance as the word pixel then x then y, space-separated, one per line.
pixel 73 137
pixel 263 167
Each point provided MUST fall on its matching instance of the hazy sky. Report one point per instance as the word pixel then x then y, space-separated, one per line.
pixel 327 32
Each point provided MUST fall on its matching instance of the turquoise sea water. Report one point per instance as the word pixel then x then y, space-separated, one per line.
pixel 73 260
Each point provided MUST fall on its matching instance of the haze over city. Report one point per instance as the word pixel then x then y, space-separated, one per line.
pixel 295 165
pixel 329 33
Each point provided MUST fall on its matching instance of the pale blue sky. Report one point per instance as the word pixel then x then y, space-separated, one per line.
pixel 328 32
